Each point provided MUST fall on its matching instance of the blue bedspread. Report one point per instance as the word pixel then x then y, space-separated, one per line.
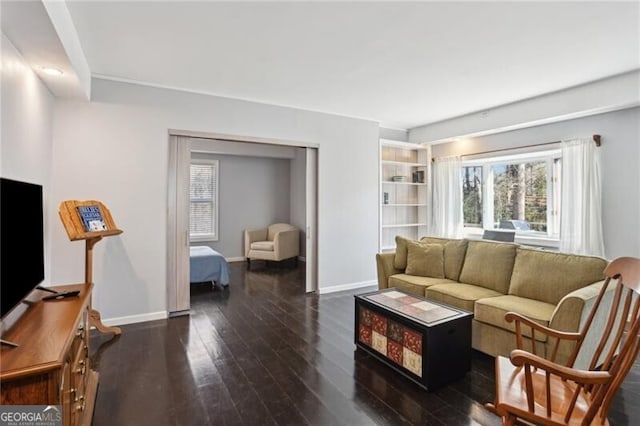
pixel 206 264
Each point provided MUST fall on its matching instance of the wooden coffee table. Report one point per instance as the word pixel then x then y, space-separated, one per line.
pixel 427 341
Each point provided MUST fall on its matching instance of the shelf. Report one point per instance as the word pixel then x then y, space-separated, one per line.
pixel 404 205
pixel 403 183
pixel 401 163
pixel 404 225
pixel 405 213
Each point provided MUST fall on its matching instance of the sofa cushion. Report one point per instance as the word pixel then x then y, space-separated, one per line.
pixel 262 245
pixel 414 284
pixel 273 229
pixel 493 309
pixel 454 252
pixel 488 264
pixel 548 276
pixel 459 295
pixel 425 260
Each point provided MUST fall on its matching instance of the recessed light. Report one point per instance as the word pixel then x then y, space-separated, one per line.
pixel 52 71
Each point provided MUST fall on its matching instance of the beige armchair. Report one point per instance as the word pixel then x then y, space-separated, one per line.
pixel 278 242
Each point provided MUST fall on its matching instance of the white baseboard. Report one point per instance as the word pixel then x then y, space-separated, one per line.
pixel 344 287
pixel 152 316
pixel 132 319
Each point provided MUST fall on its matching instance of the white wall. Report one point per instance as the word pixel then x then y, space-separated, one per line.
pixel 394 134
pixel 26 138
pixel 254 192
pixel 250 149
pixel 620 153
pixel 115 149
pixel 605 95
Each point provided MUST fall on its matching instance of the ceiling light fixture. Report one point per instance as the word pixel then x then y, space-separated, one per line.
pixel 52 71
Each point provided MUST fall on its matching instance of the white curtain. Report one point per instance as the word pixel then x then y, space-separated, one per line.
pixel 446 218
pixel 581 210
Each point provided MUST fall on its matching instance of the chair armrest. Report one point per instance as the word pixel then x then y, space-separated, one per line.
pixel 520 319
pixel 519 358
pixel 384 263
pixel 286 244
pixel 252 235
pixel 561 339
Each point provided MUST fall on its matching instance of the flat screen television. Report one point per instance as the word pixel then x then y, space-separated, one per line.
pixel 21 241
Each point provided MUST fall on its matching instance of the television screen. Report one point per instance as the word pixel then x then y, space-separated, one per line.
pixel 21 241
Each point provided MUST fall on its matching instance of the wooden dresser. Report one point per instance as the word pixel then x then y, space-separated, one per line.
pixel 51 365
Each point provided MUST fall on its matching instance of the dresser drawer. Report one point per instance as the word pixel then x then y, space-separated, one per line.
pixel 81 333
pixel 79 374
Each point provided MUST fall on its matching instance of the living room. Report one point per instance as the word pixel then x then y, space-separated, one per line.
pixel 495 78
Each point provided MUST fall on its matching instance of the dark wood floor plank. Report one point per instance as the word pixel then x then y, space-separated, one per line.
pixel 294 356
pixel 262 352
pixel 313 349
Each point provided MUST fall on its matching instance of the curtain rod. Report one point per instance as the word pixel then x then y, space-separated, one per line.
pixel 596 139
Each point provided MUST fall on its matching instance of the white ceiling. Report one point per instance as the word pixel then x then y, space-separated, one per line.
pixel 402 64
pixel 28 24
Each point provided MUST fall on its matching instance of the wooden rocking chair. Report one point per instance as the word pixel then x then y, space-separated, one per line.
pixel 533 390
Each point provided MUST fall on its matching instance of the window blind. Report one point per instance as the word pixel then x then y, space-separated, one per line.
pixel 203 199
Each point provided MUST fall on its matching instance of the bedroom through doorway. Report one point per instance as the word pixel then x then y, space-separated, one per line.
pixel 256 183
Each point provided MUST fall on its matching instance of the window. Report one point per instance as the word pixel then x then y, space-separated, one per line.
pixel 203 197
pixel 472 195
pixel 518 192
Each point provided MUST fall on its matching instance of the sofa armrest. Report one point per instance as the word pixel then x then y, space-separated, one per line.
pixel 573 308
pixel 570 315
pixel 286 244
pixel 253 235
pixel 384 262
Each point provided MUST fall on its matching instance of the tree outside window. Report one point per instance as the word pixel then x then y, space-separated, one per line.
pixel 520 194
pixel 472 196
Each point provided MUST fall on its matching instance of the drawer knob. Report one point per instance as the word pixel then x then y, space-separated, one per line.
pixel 80 407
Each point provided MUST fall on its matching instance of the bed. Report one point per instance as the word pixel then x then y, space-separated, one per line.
pixel 206 264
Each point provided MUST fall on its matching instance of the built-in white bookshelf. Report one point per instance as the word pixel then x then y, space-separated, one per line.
pixel 404 174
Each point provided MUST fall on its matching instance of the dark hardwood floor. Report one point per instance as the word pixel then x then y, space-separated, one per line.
pixel 263 353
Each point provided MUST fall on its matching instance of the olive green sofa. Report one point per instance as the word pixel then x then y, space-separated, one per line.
pixel 492 278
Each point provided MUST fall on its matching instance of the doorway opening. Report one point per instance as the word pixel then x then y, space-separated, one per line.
pixel 302 160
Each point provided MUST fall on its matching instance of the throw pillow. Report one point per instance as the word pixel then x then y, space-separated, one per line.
pixel 400 260
pixel 454 251
pixel 425 260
